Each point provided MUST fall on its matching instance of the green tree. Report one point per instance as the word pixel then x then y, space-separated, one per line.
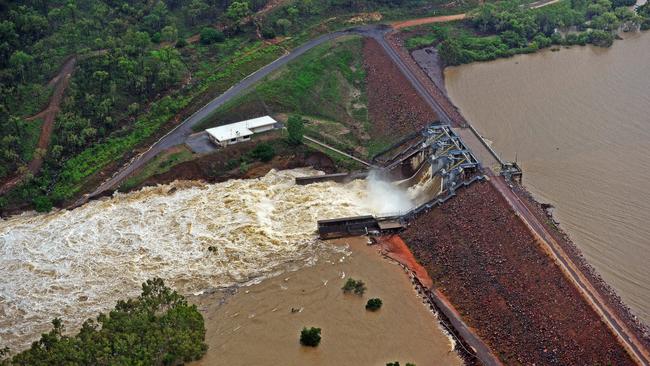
pixel 451 52
pixel 196 10
pixel 374 304
pixel 210 35
pixel 169 33
pixel 296 129
pixel 284 25
pixel 263 152
pixel 310 337
pixel 237 11
pixel 21 62
pixel 42 204
pixel 157 328
pixel 601 38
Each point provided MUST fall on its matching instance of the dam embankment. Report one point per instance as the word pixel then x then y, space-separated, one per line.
pixel 577 121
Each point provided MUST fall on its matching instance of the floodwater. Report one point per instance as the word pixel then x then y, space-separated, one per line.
pixel 258 327
pixel 578 121
pixel 197 237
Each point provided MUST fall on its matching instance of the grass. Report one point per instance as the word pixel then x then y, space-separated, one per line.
pixel 161 164
pixel 341 161
pixel 327 85
pixel 319 83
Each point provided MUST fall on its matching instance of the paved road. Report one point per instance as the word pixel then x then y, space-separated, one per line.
pixel 180 133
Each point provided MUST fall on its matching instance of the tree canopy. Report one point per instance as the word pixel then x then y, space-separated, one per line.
pixel 158 327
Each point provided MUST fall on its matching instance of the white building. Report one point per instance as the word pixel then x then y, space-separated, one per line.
pixel 240 131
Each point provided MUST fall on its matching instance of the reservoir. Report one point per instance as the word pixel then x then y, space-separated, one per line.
pixel 578 121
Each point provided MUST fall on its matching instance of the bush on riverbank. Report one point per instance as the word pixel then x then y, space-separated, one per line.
pixel 507 28
pixel 156 328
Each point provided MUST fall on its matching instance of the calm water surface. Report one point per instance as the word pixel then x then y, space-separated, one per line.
pixel 578 121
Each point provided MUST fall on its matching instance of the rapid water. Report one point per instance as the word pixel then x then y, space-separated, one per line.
pixel 578 121
pixel 74 264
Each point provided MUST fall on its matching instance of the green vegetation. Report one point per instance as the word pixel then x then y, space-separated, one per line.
pixel 295 129
pixel 356 286
pixel 160 164
pixel 143 65
pixel 326 86
pixel 507 28
pixel 374 304
pixel 156 328
pixel 263 152
pixel 210 35
pixel 310 337
pixel 644 11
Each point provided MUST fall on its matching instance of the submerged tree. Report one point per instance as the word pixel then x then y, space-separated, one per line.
pixel 310 337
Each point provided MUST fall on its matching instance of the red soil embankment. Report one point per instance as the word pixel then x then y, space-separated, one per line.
pixel 482 257
pixel 429 20
pixel 395 107
pixel 394 248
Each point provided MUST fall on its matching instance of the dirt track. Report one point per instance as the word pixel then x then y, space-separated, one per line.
pixel 60 83
pixel 429 20
pixel 485 260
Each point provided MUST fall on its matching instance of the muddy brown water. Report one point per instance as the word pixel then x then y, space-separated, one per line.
pixel 578 121
pixel 256 326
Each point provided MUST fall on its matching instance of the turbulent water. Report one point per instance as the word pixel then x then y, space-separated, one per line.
pixel 73 264
pixel 578 121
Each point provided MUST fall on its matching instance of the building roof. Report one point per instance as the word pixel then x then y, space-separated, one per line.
pixel 239 129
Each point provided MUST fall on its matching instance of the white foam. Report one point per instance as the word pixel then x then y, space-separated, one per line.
pixel 74 264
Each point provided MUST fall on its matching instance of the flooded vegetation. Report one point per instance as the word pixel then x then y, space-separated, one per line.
pixel 577 121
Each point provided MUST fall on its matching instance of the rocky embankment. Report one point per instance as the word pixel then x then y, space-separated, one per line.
pixel 395 108
pixel 482 257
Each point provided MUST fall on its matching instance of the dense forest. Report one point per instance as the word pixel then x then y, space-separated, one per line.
pixel 158 327
pixel 138 66
pixel 509 27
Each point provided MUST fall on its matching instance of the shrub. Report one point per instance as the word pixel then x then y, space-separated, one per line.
pixel 42 204
pixel 601 38
pixel 352 285
pixel 374 304
pixel 243 167
pixel 181 43
pixel 310 337
pixel 263 152
pixel 397 364
pixel 211 35
pixel 268 33
pixel 296 129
